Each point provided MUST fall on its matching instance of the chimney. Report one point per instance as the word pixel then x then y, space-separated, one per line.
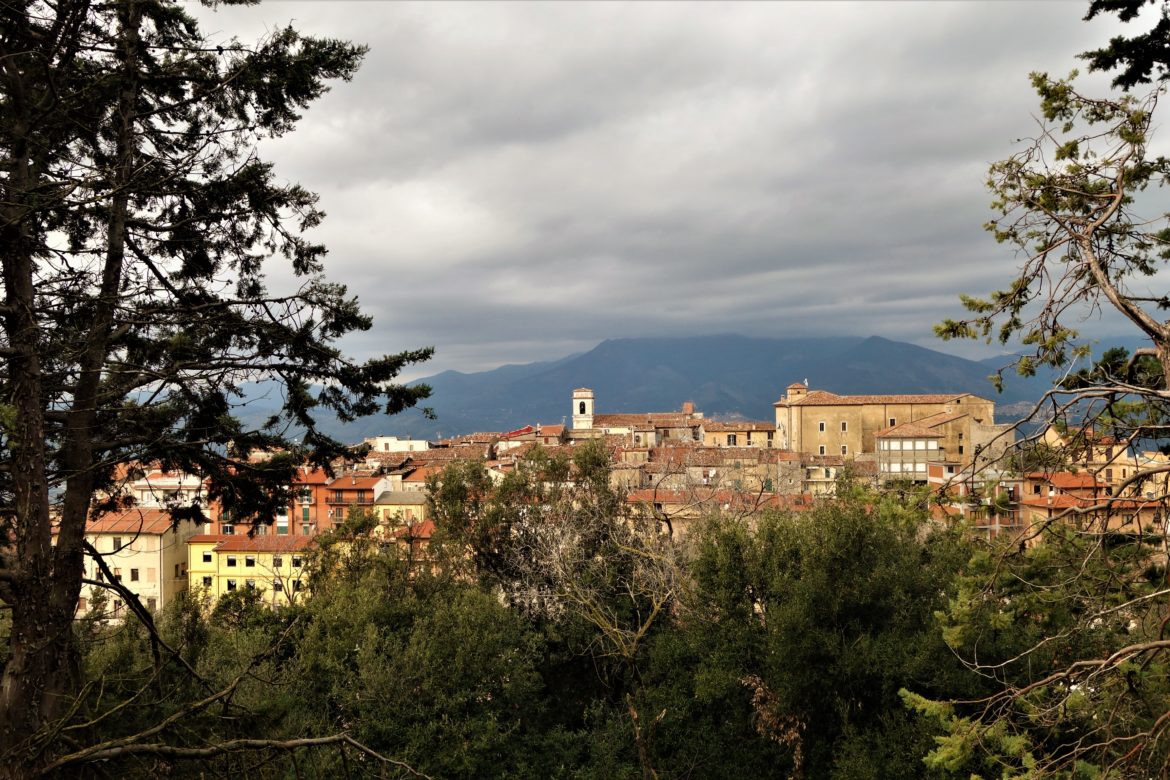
pixel 688 407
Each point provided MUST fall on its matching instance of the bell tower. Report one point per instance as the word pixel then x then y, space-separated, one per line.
pixel 582 409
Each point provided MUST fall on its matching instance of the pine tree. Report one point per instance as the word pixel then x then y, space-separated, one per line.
pixel 136 222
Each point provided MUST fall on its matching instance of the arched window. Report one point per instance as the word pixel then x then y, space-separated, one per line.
pixel 581 408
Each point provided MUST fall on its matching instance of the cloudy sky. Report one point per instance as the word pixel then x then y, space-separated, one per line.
pixel 515 182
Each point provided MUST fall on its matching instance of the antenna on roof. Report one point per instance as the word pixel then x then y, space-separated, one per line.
pixel 806 381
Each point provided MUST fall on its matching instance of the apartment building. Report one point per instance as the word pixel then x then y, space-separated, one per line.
pixel 273 566
pixel 144 550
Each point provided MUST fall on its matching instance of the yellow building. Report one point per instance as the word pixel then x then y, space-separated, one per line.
pixel 397 508
pixel 1111 461
pixel 218 564
pixel 738 434
pixel 144 550
pixel 817 422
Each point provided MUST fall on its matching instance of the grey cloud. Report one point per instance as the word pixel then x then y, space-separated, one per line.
pixel 512 182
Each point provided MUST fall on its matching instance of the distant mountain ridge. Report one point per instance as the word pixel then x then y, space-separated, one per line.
pixel 727 376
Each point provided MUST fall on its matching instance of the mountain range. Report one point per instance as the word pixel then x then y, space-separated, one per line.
pixel 727 377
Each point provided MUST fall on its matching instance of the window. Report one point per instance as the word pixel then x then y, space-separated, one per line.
pixel 118 574
pixel 82 604
pixel 305 529
pixel 117 544
pixel 960 449
pixel 231 560
pixel 277 561
pixel 152 604
pixel 278 585
pixel 282 521
pixel 307 495
pixel 231 584
pixel 296 586
pixel 305 515
pixel 134 575
pixel 207 556
pixel 117 606
pixel 228 529
pixel 250 584
pixel 828 473
pixel 821 426
pixel 250 560
pixel 844 426
pixel 296 561
pixel 1036 490
pixel 844 449
pixel 731 440
pixel 893 421
pixel 207 582
pixel 581 408
pixel 821 450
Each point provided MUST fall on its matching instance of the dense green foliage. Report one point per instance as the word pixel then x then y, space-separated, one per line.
pixel 774 647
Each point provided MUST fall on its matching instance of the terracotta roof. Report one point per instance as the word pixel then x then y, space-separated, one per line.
pixel 1067 480
pixel 908 430
pixel 266 543
pixel 401 498
pixel 658 419
pixel 446 454
pixel 825 398
pixel 314 477
pixel 208 538
pixel 137 520
pixel 743 425
pixel 421 473
pixel 388 459
pixel 940 418
pixel 479 437
pixel 354 483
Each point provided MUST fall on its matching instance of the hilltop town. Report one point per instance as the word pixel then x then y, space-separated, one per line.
pixel 677 465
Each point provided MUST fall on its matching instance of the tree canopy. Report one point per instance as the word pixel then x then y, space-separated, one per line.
pixel 138 222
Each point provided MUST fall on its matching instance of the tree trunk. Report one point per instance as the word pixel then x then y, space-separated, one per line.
pixel 43 580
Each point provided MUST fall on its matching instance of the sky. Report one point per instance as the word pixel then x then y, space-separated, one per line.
pixel 512 182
